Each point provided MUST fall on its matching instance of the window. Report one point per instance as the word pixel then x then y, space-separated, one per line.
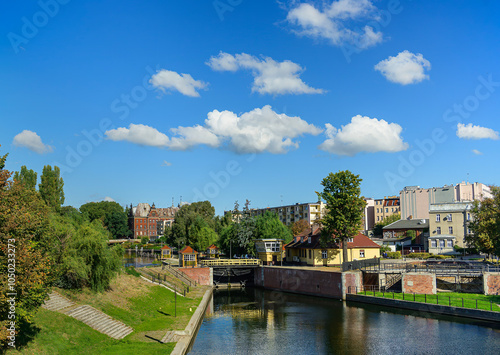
pixel 377 210
pixel 449 217
pixel 323 254
pixel 378 218
pixel 441 243
pixel 188 257
pixel 386 210
pixel 438 217
pixel 450 230
pixel 361 253
pixel 449 243
pixel 350 240
pixel 438 230
pixel 433 243
pixel 468 216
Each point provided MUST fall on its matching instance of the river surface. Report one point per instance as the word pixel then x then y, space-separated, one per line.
pixel 255 321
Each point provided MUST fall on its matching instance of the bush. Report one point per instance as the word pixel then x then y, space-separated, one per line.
pixel 418 255
pixel 394 255
pixel 144 240
pixel 384 248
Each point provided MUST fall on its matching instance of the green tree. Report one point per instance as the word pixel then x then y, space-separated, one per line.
pixel 27 177
pixel 23 226
pixel 299 226
pixel 485 224
pixel 268 225
pixel 51 187
pixel 341 193
pixel 186 217
pixel 378 227
pixel 113 216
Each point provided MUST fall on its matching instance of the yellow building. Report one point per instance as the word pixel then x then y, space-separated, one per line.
pixel 188 257
pixel 386 207
pixel 449 220
pixel 305 249
pixel 213 251
pixel 268 250
pixel 166 252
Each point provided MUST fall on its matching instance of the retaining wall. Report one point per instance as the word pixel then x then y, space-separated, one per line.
pixel 202 275
pixel 491 283
pixel 426 307
pixel 419 283
pixel 309 282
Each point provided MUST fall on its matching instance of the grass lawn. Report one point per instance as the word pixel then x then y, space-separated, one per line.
pixel 466 300
pixel 147 308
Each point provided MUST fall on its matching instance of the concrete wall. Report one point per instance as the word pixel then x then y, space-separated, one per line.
pixel 419 283
pixel 427 308
pixel 202 275
pixel 309 282
pixel 491 283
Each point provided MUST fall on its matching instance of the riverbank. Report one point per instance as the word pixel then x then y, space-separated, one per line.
pixel 150 310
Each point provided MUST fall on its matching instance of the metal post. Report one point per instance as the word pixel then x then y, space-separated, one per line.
pixel 425 297
pixel 175 311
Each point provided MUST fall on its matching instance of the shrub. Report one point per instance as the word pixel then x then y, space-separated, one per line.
pixel 394 255
pixel 418 255
pixel 384 248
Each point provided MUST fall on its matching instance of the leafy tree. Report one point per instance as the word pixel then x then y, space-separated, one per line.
pixel 268 225
pixel 51 187
pixel 23 225
pixel 113 216
pixel 299 226
pixel 378 228
pixel 185 218
pixel 341 193
pixel 27 177
pixel 485 224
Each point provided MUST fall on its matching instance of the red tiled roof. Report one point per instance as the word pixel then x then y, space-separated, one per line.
pixel 213 246
pixel 362 241
pixel 188 250
pixel 166 247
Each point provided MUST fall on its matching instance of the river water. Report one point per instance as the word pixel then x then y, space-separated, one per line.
pixel 255 321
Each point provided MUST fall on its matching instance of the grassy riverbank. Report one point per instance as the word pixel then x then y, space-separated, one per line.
pixel 465 300
pixel 147 308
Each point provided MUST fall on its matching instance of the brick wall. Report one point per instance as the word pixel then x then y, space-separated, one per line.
pixel 309 282
pixel 202 275
pixel 419 283
pixel 491 283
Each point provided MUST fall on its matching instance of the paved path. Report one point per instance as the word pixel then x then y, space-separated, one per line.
pixel 89 315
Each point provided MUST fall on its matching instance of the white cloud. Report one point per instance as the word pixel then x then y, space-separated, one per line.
pixel 166 163
pixel 257 131
pixel 470 131
pixel 270 76
pixel 109 199
pixel 364 134
pixel 477 152
pixel 405 68
pixel 333 22
pixel 183 83
pixel 32 141
pixel 139 134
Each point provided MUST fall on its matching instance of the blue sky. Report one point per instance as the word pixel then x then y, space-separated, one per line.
pixel 232 100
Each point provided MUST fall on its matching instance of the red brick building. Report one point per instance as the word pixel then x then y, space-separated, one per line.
pixel 149 221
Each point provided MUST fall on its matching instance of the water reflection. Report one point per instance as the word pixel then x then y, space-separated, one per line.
pixel 254 321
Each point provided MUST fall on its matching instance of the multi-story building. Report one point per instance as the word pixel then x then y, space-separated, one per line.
pixel 290 214
pixel 386 207
pixel 449 222
pixel 415 201
pixel 369 215
pixel 146 220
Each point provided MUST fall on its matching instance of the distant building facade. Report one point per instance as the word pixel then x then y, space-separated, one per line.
pixel 149 221
pixel 450 220
pixel 386 207
pixel 415 201
pixel 290 214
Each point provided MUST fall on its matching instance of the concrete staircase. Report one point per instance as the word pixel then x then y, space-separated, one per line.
pixel 88 315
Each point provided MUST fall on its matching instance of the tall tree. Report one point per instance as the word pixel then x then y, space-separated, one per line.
pixel 113 216
pixel 51 187
pixel 485 224
pixel 27 177
pixel 341 193
pixel 185 218
pixel 268 225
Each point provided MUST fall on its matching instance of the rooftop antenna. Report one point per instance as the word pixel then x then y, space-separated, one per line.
pixel 467 178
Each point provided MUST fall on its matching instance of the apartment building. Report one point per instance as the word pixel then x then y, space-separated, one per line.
pixel 290 214
pixel 146 220
pixel 449 222
pixel 415 201
pixel 386 207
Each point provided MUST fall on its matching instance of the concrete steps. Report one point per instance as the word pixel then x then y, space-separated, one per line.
pixel 173 336
pixel 89 315
pixel 100 321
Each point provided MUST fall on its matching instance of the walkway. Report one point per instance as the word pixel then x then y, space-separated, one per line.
pixel 88 315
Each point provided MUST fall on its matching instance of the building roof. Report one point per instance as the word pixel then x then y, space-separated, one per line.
pixel 391 202
pixel 166 247
pixel 302 241
pixel 188 250
pixel 408 224
pixel 213 246
pixel 450 207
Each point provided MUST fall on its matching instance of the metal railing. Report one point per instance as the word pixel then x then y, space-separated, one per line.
pixel 437 299
pixel 178 274
pixel 231 262
pixel 161 279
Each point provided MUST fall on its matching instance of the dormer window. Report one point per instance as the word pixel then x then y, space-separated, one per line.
pixel 350 240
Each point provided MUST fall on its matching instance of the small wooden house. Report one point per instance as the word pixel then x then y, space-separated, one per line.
pixel 166 252
pixel 188 257
pixel 213 251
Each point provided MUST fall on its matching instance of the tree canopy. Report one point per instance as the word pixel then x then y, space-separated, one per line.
pixel 27 177
pixel 51 187
pixel 113 216
pixel 341 193
pixel 485 224
pixel 186 217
